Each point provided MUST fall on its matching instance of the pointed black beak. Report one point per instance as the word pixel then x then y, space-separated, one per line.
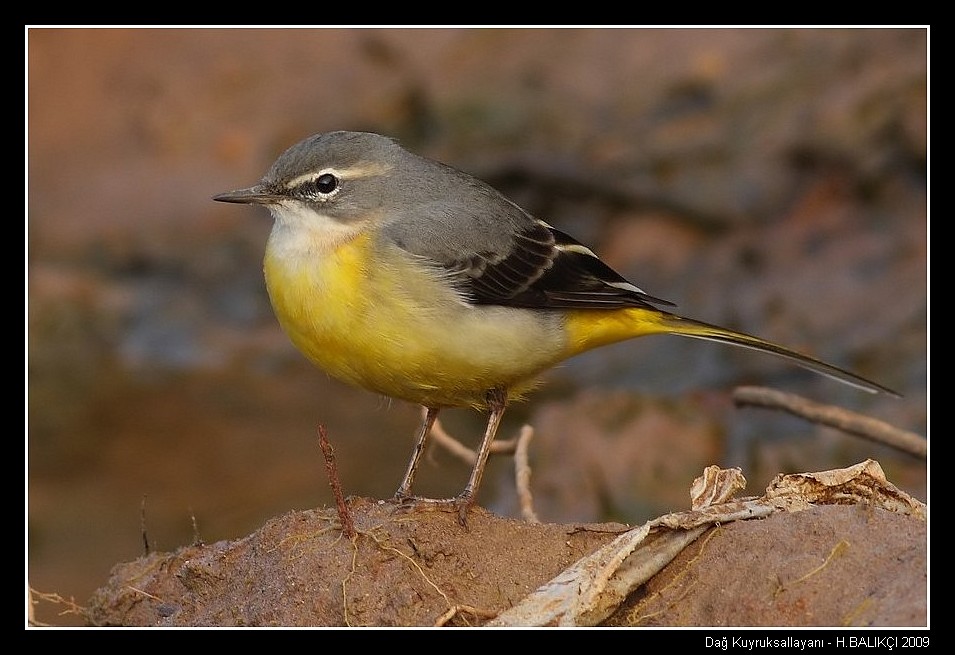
pixel 254 195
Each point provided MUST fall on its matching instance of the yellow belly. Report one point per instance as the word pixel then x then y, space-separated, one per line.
pixel 395 327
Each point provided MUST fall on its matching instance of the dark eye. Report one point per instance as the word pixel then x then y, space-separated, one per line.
pixel 326 183
pixel 321 188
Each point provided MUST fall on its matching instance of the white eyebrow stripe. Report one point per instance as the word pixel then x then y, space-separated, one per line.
pixel 351 173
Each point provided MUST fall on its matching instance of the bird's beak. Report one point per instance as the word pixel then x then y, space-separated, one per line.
pixel 254 195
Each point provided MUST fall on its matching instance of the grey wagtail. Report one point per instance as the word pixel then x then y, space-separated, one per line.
pixel 412 279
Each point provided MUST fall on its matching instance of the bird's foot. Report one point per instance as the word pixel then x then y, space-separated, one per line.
pixel 460 505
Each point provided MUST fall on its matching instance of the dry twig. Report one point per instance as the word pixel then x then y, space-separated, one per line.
pixel 835 417
pixel 196 537
pixel 517 446
pixel 462 452
pixel 522 474
pixel 463 609
pixel 348 527
pixel 34 597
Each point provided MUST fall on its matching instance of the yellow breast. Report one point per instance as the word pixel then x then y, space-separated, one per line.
pixel 371 315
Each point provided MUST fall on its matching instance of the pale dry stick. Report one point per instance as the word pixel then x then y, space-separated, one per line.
pixel 836 417
pixel 144 593
pixel 463 609
pixel 517 446
pixel 196 539
pixel 522 474
pixel 34 597
pixel 462 452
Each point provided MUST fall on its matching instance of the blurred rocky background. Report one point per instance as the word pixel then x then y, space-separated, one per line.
pixel 770 180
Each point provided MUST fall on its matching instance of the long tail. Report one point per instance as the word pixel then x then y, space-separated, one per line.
pixel 686 327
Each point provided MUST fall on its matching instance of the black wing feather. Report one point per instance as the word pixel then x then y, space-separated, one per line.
pixel 547 269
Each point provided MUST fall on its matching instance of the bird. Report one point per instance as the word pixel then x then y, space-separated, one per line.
pixel 407 277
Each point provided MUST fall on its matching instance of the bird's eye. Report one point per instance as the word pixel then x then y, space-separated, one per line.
pixel 326 183
pixel 322 187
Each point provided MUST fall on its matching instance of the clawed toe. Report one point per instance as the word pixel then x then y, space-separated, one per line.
pixel 460 505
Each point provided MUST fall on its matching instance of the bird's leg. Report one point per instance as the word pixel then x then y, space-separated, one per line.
pixel 496 403
pixel 404 490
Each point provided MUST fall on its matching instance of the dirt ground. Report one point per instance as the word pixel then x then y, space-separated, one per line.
pixel 831 565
